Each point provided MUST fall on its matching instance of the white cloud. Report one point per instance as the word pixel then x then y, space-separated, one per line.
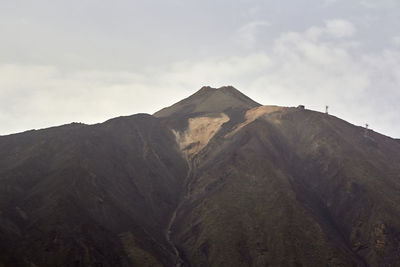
pixel 337 28
pixel 247 34
pixel 308 68
pixel 396 40
pixel 340 28
pixel 42 96
pixel 315 67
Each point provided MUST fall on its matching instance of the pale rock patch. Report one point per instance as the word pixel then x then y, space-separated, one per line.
pixel 199 132
pixel 255 113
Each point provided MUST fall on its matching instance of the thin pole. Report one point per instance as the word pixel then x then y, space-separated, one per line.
pixel 366 130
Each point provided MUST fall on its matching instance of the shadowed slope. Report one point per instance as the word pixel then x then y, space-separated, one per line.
pixel 82 195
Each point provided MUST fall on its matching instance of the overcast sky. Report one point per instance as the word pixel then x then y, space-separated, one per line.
pixel 90 60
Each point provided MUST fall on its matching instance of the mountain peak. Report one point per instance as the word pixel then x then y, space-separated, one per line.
pixel 210 100
pixel 205 89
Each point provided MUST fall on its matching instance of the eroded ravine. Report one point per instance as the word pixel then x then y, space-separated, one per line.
pixel 179 262
pixel 196 137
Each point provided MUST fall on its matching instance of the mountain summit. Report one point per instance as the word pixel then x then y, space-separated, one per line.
pixel 209 100
pixel 214 180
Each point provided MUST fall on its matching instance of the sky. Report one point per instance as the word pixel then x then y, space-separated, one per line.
pixel 91 60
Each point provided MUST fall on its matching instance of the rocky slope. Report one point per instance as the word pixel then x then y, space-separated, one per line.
pixel 214 180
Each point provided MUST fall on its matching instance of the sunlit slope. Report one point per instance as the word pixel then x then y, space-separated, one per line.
pixel 293 188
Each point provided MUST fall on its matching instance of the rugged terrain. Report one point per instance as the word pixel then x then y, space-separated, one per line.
pixel 214 180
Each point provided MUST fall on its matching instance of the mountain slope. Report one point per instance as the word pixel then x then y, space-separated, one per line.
pixel 294 188
pixel 82 195
pixel 214 180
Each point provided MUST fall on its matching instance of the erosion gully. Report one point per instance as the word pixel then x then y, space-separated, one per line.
pixel 179 261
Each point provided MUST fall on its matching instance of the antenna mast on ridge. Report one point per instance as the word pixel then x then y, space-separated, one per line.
pixel 366 130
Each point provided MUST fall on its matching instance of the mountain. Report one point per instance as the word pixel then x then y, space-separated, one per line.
pixel 214 180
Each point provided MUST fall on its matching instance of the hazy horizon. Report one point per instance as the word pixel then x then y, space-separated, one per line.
pixel 89 61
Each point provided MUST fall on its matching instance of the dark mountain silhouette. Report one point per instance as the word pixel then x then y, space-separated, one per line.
pixel 214 180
